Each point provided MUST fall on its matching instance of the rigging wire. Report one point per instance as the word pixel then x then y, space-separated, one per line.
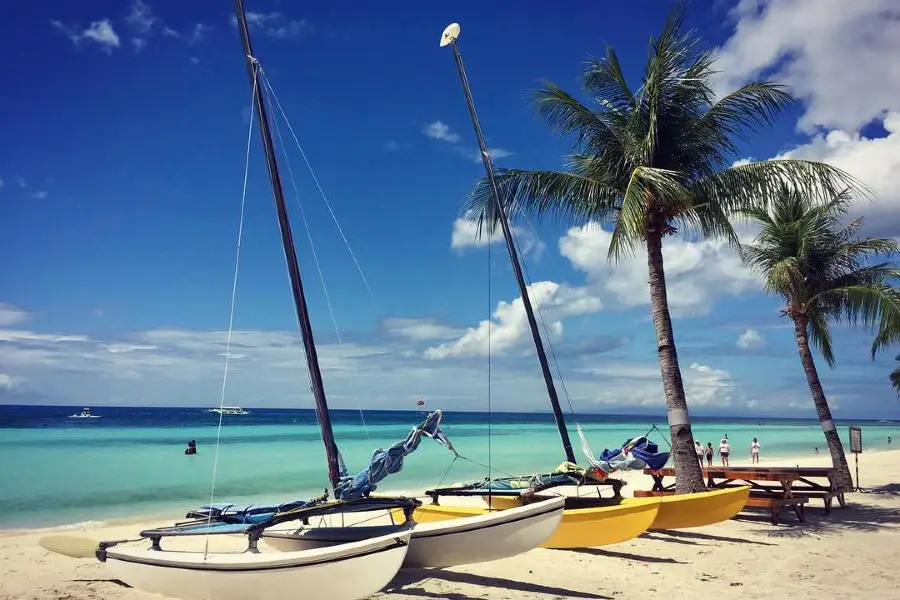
pixel 334 218
pixel 237 265
pixel 489 372
pixel 272 99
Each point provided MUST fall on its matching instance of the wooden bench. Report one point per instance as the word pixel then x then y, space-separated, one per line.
pixel 775 503
pixel 652 493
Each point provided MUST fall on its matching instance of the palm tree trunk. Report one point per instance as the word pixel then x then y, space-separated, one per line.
pixel 688 476
pixel 835 447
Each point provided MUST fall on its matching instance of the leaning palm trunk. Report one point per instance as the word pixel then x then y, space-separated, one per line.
pixel 835 447
pixel 688 476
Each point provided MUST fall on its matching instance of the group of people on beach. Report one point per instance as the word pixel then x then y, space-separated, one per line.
pixel 724 451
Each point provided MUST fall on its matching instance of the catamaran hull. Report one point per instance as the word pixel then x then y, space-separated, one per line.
pixel 578 528
pixel 684 511
pixel 344 572
pixel 470 538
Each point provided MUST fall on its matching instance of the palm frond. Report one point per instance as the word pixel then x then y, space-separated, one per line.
pixel 538 194
pixel 895 378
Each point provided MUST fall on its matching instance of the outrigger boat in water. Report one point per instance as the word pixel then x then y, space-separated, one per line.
pixel 587 520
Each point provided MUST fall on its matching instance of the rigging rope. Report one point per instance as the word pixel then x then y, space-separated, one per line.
pixel 315 179
pixel 237 265
pixel 273 102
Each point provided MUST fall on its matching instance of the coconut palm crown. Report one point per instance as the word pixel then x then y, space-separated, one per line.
pixel 651 160
pixel 826 273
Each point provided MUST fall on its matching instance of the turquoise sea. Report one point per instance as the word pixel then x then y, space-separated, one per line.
pixel 130 462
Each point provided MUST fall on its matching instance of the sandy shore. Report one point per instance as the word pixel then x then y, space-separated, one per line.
pixel 851 553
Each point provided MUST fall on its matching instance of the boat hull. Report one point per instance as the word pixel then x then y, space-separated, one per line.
pixel 344 572
pixel 684 511
pixel 469 537
pixel 578 528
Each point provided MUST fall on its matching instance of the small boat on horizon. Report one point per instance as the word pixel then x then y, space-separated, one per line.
pixel 84 414
pixel 229 410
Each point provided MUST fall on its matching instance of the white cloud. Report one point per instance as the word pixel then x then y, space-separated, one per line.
pixel 6 381
pixel 419 329
pixel 11 315
pixel 138 44
pixel 275 24
pixel 99 32
pixel 140 17
pixel 1 183
pixel 751 339
pixel 833 56
pixel 465 236
pixel 876 162
pixel 833 53
pixel 438 130
pixel 508 327
pixel 641 385
pixel 696 272
pixel 180 367
pixel 22 183
pixel 494 153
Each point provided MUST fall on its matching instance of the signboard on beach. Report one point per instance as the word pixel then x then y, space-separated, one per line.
pixel 856 440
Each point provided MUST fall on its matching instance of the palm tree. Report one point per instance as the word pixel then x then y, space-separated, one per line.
pixel 826 273
pixel 895 377
pixel 653 159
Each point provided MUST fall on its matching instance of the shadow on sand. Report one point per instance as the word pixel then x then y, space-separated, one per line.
pixel 118 582
pixel 685 537
pixel 891 489
pixel 624 555
pixel 855 517
pixel 405 583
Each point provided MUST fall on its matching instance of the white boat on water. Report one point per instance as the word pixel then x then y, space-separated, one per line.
pixel 481 538
pixel 344 572
pixel 229 410
pixel 84 414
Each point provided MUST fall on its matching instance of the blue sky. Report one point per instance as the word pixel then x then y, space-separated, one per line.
pixel 125 127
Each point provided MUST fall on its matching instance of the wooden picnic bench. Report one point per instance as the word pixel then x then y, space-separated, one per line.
pixel 804 485
pixel 773 497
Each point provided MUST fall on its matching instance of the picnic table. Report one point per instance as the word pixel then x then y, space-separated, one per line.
pixel 805 484
pixel 769 488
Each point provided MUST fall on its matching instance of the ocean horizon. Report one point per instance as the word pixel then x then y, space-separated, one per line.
pixel 130 461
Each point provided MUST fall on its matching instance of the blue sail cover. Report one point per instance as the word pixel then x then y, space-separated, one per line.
pixel 387 461
pixel 634 454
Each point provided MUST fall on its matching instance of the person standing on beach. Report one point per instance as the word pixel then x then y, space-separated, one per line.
pixel 699 450
pixel 709 454
pixel 724 451
pixel 754 452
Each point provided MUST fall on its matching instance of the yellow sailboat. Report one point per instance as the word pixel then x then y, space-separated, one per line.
pixel 587 520
pixel 684 511
pixel 579 528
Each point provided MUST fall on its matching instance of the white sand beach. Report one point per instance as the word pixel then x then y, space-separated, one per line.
pixel 851 553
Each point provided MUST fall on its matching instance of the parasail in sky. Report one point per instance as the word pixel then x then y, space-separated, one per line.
pixel 420 403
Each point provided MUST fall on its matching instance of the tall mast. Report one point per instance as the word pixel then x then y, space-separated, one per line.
pixel 290 255
pixel 451 33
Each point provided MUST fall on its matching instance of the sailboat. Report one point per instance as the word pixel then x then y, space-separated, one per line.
pixel 588 520
pixel 469 539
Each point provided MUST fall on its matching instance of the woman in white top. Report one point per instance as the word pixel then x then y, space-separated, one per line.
pixel 724 451
pixel 699 450
pixel 754 452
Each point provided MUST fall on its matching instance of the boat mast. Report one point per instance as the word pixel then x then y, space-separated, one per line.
pixel 451 33
pixel 290 255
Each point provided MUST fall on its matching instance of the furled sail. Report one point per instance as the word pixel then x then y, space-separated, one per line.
pixel 390 460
